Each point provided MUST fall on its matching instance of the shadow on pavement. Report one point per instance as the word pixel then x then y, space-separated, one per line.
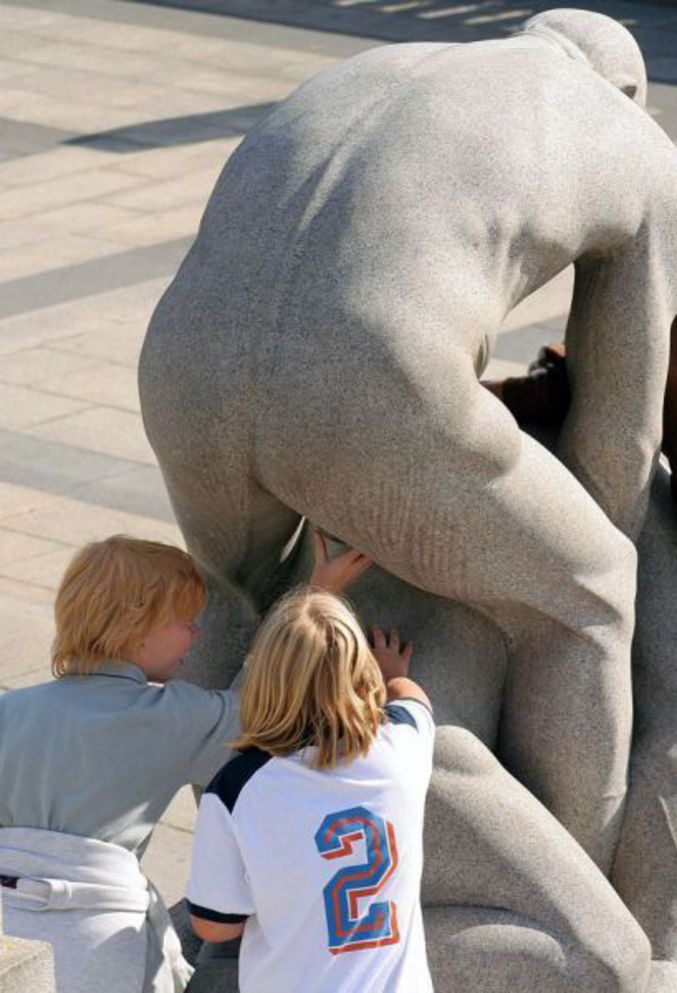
pixel 654 25
pixel 172 131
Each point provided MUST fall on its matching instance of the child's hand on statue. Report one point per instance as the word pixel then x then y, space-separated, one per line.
pixel 392 657
pixel 393 660
pixel 338 574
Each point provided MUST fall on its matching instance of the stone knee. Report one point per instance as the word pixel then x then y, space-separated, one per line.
pixel 509 895
pixel 597 599
pixel 621 961
pixel 492 950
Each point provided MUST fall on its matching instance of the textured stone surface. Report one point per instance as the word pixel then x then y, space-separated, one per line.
pixel 26 966
pixel 317 355
pixel 645 870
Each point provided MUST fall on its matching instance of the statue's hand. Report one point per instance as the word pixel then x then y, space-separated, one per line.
pixel 338 574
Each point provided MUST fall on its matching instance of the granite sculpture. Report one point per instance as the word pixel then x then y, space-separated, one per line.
pixel 317 356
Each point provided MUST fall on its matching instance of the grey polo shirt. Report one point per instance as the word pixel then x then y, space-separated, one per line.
pixel 103 755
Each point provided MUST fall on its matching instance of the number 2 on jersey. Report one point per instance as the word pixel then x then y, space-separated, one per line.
pixel 348 930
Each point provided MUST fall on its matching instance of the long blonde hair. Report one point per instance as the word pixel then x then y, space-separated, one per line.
pixel 311 678
pixel 114 593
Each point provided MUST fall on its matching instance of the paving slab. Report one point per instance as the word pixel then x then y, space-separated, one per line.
pixel 54 468
pixel 168 225
pixel 138 490
pixel 167 858
pixel 15 498
pixel 26 965
pixel 39 291
pixel 99 429
pixel 119 343
pixel 28 631
pixel 50 253
pixel 15 590
pixel 53 162
pixel 71 188
pixel 66 520
pixel 160 195
pixel 44 570
pixel 18 547
pixel 112 385
pixel 168 162
pixel 22 407
pixel 36 366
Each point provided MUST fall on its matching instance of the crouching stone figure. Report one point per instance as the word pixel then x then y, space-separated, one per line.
pixel 318 355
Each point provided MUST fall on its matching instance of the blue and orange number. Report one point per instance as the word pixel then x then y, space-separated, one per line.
pixel 349 930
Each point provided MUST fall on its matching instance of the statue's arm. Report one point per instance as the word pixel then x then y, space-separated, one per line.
pixel 617 343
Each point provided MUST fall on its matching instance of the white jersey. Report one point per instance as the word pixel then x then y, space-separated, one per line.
pixel 324 865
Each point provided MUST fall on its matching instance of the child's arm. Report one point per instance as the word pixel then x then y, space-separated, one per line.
pixel 394 660
pixel 207 721
pixel 219 895
pixel 214 931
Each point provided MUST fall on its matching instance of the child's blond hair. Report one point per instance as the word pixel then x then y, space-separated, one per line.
pixel 113 594
pixel 311 679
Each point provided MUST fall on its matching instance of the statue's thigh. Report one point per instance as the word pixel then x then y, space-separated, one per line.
pixel 435 481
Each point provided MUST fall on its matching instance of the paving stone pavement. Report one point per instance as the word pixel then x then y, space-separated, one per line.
pixel 115 120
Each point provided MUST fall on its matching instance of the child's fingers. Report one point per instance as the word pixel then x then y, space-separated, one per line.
pixel 394 639
pixel 362 564
pixel 378 637
pixel 407 652
pixel 320 546
pixel 352 560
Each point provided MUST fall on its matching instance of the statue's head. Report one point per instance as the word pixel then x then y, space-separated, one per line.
pixel 603 43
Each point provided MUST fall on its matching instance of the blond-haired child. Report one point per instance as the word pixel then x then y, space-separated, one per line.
pixel 309 842
pixel 89 762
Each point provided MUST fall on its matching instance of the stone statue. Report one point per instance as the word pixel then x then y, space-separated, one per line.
pixel 317 356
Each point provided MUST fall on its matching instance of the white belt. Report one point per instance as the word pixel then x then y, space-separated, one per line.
pixel 62 894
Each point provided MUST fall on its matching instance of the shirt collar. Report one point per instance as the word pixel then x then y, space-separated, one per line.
pixel 123 670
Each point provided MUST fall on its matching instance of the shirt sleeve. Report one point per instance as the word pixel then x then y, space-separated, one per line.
pixel 213 721
pixel 218 889
pixel 407 710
